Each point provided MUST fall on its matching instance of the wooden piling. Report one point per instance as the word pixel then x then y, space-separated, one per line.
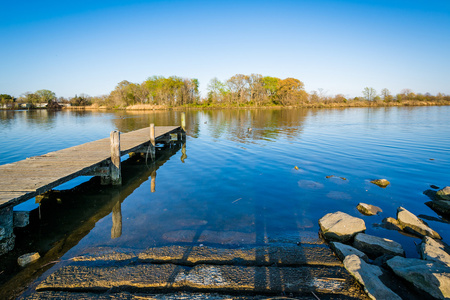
pixel 116 177
pixel 152 141
pixel 7 236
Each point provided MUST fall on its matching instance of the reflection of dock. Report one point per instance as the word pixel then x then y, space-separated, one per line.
pixel 67 216
pixel 34 176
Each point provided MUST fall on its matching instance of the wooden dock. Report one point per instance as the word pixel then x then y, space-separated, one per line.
pixel 23 180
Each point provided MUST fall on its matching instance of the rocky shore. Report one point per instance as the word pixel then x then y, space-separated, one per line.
pixel 370 259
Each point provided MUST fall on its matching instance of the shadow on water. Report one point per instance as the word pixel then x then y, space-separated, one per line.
pixel 66 216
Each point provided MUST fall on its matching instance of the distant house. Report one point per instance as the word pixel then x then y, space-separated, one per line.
pixel 7 106
pixel 40 105
pixel 25 105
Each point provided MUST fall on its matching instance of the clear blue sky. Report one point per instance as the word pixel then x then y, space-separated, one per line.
pixel 88 46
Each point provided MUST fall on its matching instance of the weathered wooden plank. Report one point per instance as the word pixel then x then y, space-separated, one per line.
pixel 25 179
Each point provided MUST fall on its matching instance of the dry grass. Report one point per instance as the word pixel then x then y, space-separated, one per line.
pixel 325 104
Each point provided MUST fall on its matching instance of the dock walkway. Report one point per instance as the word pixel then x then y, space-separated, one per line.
pixel 23 180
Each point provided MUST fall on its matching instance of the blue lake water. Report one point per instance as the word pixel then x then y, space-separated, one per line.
pixel 239 187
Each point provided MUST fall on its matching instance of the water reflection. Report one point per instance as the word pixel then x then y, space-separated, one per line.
pixel 240 187
pixel 264 124
pixel 67 216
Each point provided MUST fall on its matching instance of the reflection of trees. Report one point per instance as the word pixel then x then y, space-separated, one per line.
pixel 7 117
pixel 132 120
pixel 34 117
pixel 265 123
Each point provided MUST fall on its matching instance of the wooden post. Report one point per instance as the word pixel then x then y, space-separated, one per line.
pixel 116 230
pixel 152 141
pixel 116 177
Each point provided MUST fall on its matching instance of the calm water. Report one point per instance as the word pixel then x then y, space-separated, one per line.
pixel 238 187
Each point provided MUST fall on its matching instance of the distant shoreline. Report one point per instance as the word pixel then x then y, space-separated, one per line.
pixel 349 104
pixel 146 107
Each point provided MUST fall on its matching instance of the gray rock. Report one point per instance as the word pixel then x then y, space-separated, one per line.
pixel 381 182
pixel 431 249
pixel 375 246
pixel 443 194
pixel 368 276
pixel 428 276
pixel 440 206
pixel 28 258
pixel 340 226
pixel 412 224
pixel 2 232
pixel 368 209
pixel 391 223
pixel 343 250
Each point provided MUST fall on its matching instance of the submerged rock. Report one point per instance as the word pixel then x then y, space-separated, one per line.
pixel 340 226
pixel 381 182
pixel 28 258
pixel 368 209
pixel 309 184
pixel 375 246
pixel 443 194
pixel 431 277
pixel 412 224
pixel 368 275
pixel 343 250
pixel 433 250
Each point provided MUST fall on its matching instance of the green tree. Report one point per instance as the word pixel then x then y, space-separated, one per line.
pixel 270 86
pixel 30 98
pixel 81 100
pixel 386 94
pixel 45 96
pixel 6 99
pixel 369 93
pixel 217 90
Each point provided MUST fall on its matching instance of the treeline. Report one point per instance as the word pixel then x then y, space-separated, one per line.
pixel 238 90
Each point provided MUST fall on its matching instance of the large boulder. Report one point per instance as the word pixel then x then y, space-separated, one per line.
pixel 412 224
pixel 368 209
pixel 431 249
pixel 368 276
pixel 443 194
pixel 343 250
pixel 431 277
pixel 375 246
pixel 340 226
